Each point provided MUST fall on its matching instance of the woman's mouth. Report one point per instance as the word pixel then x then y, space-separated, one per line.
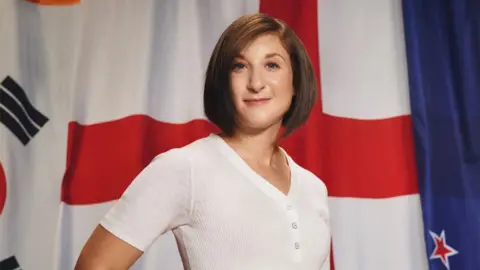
pixel 256 101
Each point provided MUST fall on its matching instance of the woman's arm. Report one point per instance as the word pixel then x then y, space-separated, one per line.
pixel 105 251
pixel 158 200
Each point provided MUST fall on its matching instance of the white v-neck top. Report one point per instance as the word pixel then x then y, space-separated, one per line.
pixel 223 214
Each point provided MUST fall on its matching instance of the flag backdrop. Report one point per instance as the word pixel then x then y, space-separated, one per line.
pixel 444 69
pixel 92 90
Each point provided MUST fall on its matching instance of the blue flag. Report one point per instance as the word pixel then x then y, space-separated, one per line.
pixel 443 54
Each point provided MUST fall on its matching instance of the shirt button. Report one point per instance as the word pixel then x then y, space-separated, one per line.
pixel 297 245
pixel 294 225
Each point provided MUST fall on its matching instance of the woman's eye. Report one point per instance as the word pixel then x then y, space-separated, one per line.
pixel 237 66
pixel 272 65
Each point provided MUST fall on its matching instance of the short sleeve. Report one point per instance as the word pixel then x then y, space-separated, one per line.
pixel 156 201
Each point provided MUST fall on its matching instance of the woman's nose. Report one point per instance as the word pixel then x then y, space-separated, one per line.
pixel 255 82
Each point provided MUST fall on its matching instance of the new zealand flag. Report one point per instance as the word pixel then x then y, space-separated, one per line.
pixel 443 49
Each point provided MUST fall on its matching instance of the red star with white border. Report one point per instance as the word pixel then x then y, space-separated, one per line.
pixel 442 251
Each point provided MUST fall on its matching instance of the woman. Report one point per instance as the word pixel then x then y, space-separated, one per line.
pixel 235 200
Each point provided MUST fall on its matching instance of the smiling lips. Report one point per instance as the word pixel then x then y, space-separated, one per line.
pixel 256 101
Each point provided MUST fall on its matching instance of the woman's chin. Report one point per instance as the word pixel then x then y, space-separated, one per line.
pixel 261 126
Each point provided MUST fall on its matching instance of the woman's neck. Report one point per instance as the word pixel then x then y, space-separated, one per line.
pixel 258 148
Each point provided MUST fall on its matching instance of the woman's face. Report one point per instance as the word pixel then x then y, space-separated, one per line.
pixel 262 84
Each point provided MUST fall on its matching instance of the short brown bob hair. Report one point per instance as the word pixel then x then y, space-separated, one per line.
pixel 218 104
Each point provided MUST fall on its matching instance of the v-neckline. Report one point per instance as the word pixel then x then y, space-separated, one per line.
pixel 262 183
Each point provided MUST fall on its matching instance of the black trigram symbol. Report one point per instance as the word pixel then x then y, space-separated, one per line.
pixel 17 113
pixel 10 263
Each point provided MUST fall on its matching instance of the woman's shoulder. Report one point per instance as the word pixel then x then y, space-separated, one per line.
pixel 183 156
pixel 308 178
pixel 171 167
pixel 313 181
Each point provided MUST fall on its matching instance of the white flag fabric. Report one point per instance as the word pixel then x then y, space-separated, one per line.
pixel 92 90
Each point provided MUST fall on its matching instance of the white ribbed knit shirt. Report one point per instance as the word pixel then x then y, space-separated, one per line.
pixel 223 214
